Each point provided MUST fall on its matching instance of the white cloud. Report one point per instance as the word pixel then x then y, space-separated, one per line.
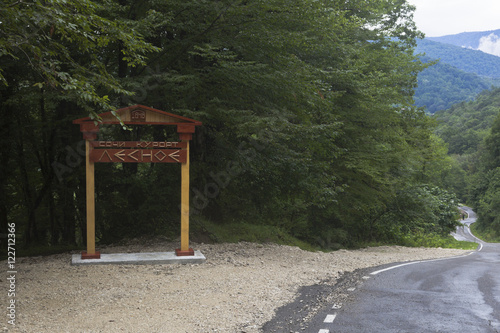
pixel 490 44
pixel 449 17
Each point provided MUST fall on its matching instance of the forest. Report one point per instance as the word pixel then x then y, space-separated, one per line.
pixel 310 133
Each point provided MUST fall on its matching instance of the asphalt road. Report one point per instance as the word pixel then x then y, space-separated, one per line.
pixel 460 294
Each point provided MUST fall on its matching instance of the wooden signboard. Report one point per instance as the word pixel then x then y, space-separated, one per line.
pixel 137 152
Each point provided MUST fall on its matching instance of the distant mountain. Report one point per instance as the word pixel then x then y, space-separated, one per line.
pixel 468 60
pixel 460 74
pixel 442 85
pixel 486 41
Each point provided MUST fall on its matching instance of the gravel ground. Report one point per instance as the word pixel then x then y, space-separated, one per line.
pixel 238 289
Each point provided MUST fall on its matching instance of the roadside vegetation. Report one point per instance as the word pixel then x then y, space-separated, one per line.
pixel 472 132
pixel 489 235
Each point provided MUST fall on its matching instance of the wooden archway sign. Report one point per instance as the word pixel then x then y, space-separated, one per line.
pixel 137 152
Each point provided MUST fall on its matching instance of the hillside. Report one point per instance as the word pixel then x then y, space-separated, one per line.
pixel 468 60
pixel 442 85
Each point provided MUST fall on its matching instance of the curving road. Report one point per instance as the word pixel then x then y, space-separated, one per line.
pixel 463 232
pixel 460 294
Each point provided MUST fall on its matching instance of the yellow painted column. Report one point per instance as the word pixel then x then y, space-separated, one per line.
pixel 90 201
pixel 185 202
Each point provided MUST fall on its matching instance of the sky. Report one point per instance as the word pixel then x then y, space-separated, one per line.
pixel 448 17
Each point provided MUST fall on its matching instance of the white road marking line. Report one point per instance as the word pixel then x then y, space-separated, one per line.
pixel 479 241
pixel 389 268
pixel 351 289
pixel 324 331
pixel 365 277
pixel 330 318
pixel 416 262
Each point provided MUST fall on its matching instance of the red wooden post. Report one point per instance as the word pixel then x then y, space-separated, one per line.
pixel 185 135
pixel 137 152
pixel 89 131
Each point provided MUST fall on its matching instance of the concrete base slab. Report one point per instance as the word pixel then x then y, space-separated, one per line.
pixel 146 258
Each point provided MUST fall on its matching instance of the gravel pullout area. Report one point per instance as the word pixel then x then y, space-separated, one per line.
pixel 238 289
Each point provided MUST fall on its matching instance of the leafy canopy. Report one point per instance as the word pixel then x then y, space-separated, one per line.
pixel 65 44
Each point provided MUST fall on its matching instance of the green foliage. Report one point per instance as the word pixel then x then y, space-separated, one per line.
pixel 248 232
pixel 309 126
pixel 434 240
pixel 492 145
pixel 472 131
pixel 488 205
pixel 487 234
pixel 417 210
pixel 62 43
pixel 464 126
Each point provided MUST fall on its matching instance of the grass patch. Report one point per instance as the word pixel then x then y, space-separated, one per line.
pixel 490 236
pixel 434 240
pixel 246 232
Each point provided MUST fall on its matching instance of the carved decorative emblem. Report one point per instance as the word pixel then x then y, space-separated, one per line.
pixel 138 115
